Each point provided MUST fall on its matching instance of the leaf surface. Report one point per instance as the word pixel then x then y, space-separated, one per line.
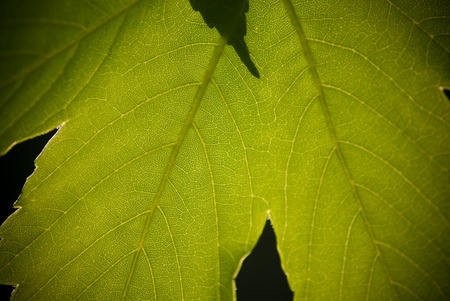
pixel 171 155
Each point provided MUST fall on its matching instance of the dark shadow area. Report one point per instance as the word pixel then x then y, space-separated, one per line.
pixel 261 276
pixel 447 93
pixel 5 292
pixel 220 14
pixel 15 167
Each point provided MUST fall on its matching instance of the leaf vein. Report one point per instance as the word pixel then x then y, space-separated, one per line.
pixel 175 250
pixel 175 150
pixel 414 264
pixel 213 187
pixel 151 274
pixel 67 46
pixel 85 194
pixel 84 251
pixel 341 283
pixel 313 219
pixel 404 218
pixel 406 179
pixel 245 156
pixel 390 78
pixel 392 124
pixel 99 131
pixel 34 103
pixel 288 162
pixel 309 57
pixel 415 23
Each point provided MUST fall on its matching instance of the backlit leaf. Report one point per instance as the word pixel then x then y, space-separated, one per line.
pixel 170 154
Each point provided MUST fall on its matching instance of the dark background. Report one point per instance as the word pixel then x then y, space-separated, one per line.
pixel 260 278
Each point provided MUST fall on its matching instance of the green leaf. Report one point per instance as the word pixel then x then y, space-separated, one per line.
pixel 170 154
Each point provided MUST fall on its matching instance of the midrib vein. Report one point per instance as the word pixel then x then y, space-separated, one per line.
pixel 174 154
pixel 317 82
pixel 67 46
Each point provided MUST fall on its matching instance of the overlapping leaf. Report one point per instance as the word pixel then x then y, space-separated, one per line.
pixel 166 165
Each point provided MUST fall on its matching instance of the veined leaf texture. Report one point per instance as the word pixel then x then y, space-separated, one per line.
pixel 171 153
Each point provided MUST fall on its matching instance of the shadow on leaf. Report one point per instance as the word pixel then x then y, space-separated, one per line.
pixel 220 14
